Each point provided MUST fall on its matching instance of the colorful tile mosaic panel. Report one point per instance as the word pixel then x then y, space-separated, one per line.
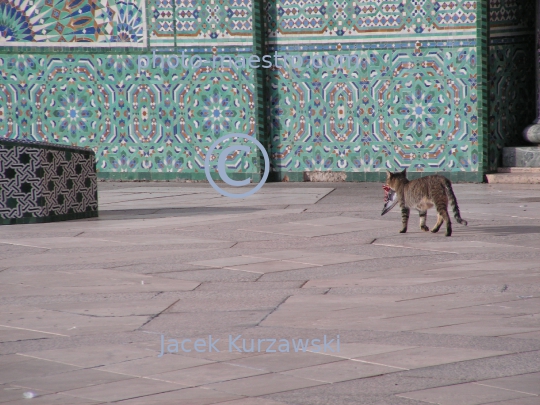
pixel 162 23
pixel 201 22
pixel 159 120
pixel 343 20
pixel 73 23
pixel 413 108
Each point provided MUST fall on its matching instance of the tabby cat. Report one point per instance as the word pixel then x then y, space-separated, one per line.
pixel 422 194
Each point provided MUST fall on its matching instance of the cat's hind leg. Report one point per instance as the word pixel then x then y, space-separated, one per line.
pixel 404 219
pixel 442 215
pixel 438 224
pixel 446 217
pixel 423 217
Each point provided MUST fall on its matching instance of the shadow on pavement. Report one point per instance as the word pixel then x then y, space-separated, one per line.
pixel 171 212
pixel 507 230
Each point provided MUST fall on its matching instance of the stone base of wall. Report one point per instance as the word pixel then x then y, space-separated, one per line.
pixel 370 177
pixel 40 182
pixel 283 176
pixel 331 177
pixel 521 156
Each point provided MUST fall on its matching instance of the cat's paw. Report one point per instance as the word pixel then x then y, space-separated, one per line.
pixel 435 230
pixel 448 233
pixel 403 230
pixel 424 228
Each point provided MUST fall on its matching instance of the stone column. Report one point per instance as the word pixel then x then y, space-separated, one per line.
pixel 532 133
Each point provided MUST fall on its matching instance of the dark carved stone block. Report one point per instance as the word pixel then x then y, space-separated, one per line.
pixel 41 182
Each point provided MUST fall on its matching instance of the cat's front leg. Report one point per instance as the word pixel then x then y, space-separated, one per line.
pixel 423 217
pixel 404 218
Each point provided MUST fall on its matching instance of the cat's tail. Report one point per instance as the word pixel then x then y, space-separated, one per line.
pixel 453 203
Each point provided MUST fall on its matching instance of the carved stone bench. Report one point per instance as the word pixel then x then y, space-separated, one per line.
pixel 43 182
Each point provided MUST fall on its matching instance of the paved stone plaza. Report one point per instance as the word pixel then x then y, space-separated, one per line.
pixel 421 318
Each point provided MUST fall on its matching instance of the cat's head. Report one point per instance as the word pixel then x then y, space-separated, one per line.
pixel 393 180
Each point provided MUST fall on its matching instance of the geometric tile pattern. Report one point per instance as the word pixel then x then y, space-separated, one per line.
pixel 201 22
pixel 411 103
pixel 74 23
pixel 40 183
pixel 161 23
pixel 343 19
pixel 413 108
pixel 155 120
pixel 162 121
pixel 21 183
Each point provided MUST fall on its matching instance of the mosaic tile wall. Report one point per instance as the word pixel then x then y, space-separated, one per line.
pixel 414 108
pixel 142 123
pixel 152 121
pixel 416 98
pixel 73 23
pixel 512 74
pixel 413 100
pixel 204 22
pixel 350 21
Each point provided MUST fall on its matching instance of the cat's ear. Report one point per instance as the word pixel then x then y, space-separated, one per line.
pixel 388 174
pixel 404 172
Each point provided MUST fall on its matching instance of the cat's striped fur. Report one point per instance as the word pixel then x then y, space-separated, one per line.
pixel 422 194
